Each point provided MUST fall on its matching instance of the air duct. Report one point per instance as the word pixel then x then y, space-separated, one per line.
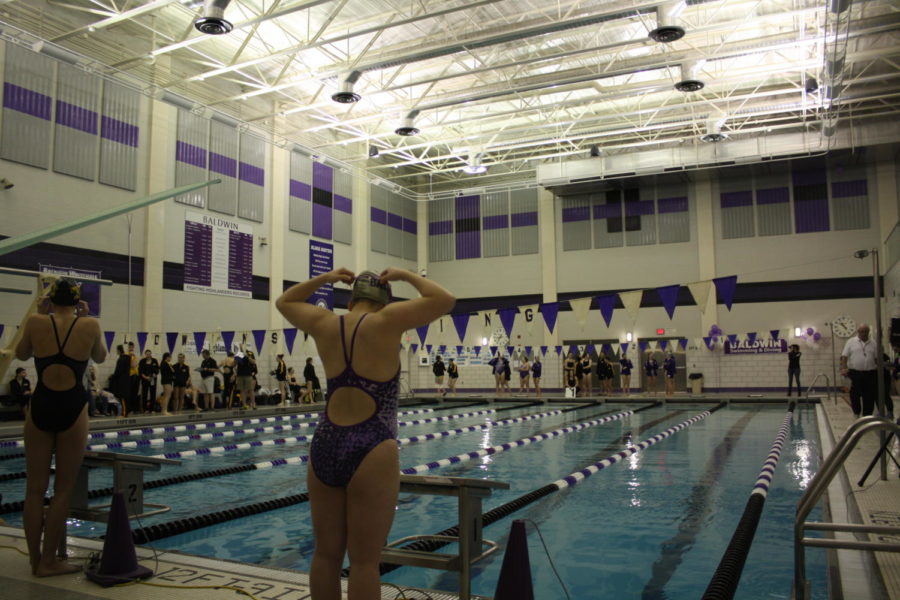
pixel 56 52
pixel 175 100
pixel 667 28
pixel 714 131
pixel 213 21
pixel 346 95
pixel 407 126
pixel 690 81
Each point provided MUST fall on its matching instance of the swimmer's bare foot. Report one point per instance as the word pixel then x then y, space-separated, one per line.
pixel 59 567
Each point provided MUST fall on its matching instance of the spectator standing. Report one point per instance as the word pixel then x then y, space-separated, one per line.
pixel 282 380
pixel 524 369
pixel 858 362
pixel 536 368
pixel 121 380
pixel 625 373
pixel 438 368
pixel 166 379
pixel 148 370
pixel 208 369
pixel 794 367
pixel 181 380
pixel 20 388
pixel 311 381
pixel 452 377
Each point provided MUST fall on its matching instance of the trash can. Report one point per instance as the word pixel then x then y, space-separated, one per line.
pixel 696 383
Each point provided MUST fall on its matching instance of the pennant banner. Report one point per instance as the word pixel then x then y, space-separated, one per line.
pixel 607 349
pixel 683 342
pixel 725 286
pixel 461 323
pixel 591 349
pixel 259 338
pixel 558 351
pixel 459 350
pixel 549 311
pixel 632 302
pixel 442 349
pixel 199 338
pixel 774 333
pixel 228 339
pixel 624 348
pixel 607 305
pixel 171 340
pixel 423 333
pixel 581 307
pixel 428 348
pixel 493 350
pixel 507 318
pixel 669 296
pixel 543 350
pixel 527 350
pixel 663 344
pixel 510 350
pixel 530 313
pixel 732 338
pixel 708 340
pixel 413 347
pixel 643 345
pixel 290 334
pixel 700 292
pixel 142 340
pixel 477 350
pixel 751 338
pixel 110 337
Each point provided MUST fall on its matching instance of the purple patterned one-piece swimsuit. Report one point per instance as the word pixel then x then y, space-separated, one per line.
pixel 336 450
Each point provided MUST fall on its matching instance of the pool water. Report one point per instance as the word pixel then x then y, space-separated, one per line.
pixel 653 526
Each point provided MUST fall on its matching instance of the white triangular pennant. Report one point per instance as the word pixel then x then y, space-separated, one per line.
pixel 632 302
pixel 530 310
pixel 700 292
pixel 581 307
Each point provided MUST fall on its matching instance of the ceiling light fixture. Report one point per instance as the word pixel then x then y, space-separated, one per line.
pixel 474 166
pixel 714 133
pixel 407 126
pixel 596 151
pixel 373 151
pixel 667 28
pixel 213 21
pixel 346 95
pixel 690 81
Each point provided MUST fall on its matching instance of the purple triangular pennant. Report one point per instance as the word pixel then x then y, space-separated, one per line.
pixel 774 333
pixel 493 350
pixel 607 305
pixel 171 340
pixel 527 350
pixel 663 344
pixel 428 348
pixel 751 338
pixel 607 349
pixel 423 332
pixel 1 330
pixel 476 350
pixel 683 342
pixel 290 334
pixel 259 338
pixel 507 318
pixel 414 347
pixel 510 350
pixel 442 349
pixel 558 350
pixel 725 287
pixel 624 347
pixel 459 350
pixel 590 349
pixel 199 338
pixel 228 340
pixel 574 349
pixel 110 337
pixel 142 340
pixel 643 345
pixel 669 296
pixel 461 322
pixel 549 311
pixel 543 350
pixel 708 340
pixel 732 338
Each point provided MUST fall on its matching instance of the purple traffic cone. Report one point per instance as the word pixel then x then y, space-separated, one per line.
pixel 119 562
pixel 515 573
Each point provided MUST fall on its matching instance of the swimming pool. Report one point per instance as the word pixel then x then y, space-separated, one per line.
pixel 652 526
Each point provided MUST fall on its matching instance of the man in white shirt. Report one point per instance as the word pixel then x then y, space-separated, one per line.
pixel 859 363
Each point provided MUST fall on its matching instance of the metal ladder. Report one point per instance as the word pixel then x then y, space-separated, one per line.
pixel 827 471
pixel 827 387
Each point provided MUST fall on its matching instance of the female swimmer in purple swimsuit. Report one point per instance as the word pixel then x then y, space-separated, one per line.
pixel 353 476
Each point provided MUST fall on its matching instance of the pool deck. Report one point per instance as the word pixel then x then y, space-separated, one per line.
pixel 874 576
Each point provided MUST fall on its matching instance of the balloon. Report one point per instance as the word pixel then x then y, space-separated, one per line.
pixel 810 331
pixel 817 336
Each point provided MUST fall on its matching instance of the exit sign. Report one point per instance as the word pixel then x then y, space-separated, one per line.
pixel 660 331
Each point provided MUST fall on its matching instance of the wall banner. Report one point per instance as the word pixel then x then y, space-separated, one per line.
pixel 321 260
pixel 90 292
pixel 218 256
pixel 757 347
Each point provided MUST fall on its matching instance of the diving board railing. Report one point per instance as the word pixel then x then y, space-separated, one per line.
pixel 827 387
pixel 472 546
pixel 818 485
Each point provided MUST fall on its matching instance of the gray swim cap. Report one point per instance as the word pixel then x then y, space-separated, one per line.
pixel 368 286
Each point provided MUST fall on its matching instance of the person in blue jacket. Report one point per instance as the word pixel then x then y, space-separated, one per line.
pixel 669 368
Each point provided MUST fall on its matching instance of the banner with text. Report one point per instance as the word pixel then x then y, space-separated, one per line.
pixel 757 347
pixel 218 256
pixel 321 260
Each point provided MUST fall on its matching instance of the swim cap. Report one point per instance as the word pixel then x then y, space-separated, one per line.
pixel 368 286
pixel 64 292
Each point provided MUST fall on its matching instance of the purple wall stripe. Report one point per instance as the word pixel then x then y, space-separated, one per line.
pixel 322 177
pixel 496 222
pixel 76 117
pixel 343 204
pixel 301 190
pixel 252 174
pixel 810 177
pixel 672 205
pixel 468 244
pixel 525 219
pixel 467 207
pixel 378 216
pixel 635 209
pixel 409 226
pixel 735 199
pixel 190 154
pixel 576 213
pixel 394 221
pixel 321 221
pixel 26 101
pixel 849 189
pixel 119 131
pixel 440 228
pixel 223 165
pixel 607 211
pixel 811 215
pixel 773 196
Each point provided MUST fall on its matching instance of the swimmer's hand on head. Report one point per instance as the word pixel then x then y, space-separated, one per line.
pixel 341 275
pixel 394 274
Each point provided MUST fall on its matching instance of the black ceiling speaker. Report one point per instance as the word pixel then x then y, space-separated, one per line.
pixel 213 21
pixel 667 28
pixel 408 126
pixel 346 95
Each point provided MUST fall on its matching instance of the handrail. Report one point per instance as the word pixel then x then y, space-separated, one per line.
pixel 813 384
pixel 820 481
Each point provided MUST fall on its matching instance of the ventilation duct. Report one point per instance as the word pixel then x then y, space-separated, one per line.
pixel 175 100
pixel 346 95
pixel 213 21
pixel 474 166
pixel 690 81
pixel 407 126
pixel 667 28
pixel 56 52
pixel 714 131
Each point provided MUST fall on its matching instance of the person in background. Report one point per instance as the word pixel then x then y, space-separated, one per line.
pixel 121 379
pixel 148 368
pixel 311 381
pixel 293 385
pixel 353 477
pixel 281 378
pixel 208 369
pixel 181 379
pixel 20 388
pixel 587 384
pixel 507 375
pixel 536 368
pixel 625 374
pixel 794 367
pixel 166 379
pixel 452 377
pixel 651 370
pixel 858 362
pixel 228 379
pixel 497 368
pixel 56 421
pixel 524 374
pixel 245 383
pixel 438 368
pixel 669 367
pixel 134 378
pixel 569 368
pixel 605 374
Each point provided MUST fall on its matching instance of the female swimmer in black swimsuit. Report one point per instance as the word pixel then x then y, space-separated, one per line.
pixel 56 420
